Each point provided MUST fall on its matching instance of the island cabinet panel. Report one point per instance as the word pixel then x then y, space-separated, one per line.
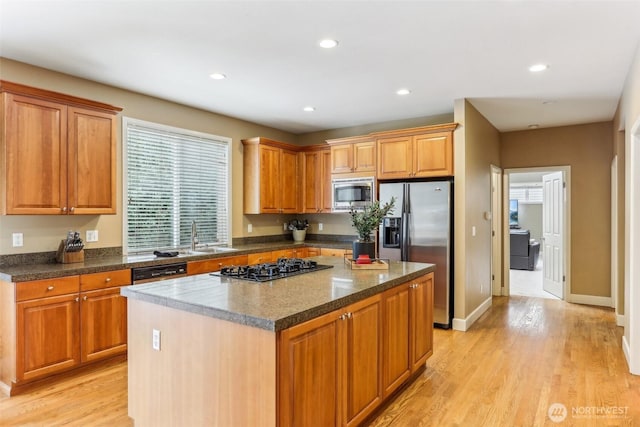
pixel 396 367
pixel 60 153
pixel 215 264
pixel 335 357
pixel 270 177
pixel 310 372
pixel 421 300
pixel 47 336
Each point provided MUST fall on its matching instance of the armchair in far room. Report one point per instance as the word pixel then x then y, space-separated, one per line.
pixel 524 251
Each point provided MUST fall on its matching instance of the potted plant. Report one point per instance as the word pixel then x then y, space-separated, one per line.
pixel 365 221
pixel 299 228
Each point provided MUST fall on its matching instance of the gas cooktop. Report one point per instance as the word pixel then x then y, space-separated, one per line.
pixel 283 267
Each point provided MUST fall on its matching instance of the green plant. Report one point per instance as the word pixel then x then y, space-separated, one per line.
pixel 369 218
pixel 298 224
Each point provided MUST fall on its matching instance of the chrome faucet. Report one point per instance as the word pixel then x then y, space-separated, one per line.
pixel 194 235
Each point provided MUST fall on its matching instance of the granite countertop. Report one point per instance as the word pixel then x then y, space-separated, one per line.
pixel 25 272
pixel 277 304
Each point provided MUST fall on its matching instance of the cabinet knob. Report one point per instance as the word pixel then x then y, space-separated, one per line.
pixel 64 209
pixel 219 264
pixel 84 298
pixel 49 288
pixel 108 279
pixel 77 299
pixel 72 208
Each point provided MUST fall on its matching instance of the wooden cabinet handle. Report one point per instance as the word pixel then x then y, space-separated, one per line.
pixel 49 288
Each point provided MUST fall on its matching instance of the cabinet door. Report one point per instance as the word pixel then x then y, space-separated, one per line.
pixel 311 181
pixel 396 367
pixel 364 157
pixel 36 156
pixel 325 179
pixel 92 162
pixel 433 154
pixel 269 179
pixel 342 158
pixel 289 183
pixel 47 338
pixel 363 363
pixel 310 371
pixel 260 257
pixel 104 324
pixel 394 157
pixel 421 321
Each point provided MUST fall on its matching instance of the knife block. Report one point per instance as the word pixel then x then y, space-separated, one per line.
pixel 65 257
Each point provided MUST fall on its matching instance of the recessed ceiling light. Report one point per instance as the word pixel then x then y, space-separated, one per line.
pixel 328 43
pixel 309 108
pixel 403 91
pixel 534 126
pixel 536 68
pixel 217 76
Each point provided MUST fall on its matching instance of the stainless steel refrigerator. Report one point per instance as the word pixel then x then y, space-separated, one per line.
pixel 421 230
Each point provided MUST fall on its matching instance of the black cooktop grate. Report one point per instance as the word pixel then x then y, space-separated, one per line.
pixel 282 268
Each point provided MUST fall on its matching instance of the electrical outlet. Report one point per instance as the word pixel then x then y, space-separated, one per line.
pixel 284 226
pixel 320 226
pixel 250 228
pixel 92 236
pixel 156 340
pixel 18 240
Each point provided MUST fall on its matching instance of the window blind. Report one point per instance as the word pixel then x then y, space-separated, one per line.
pixel 174 177
pixel 526 193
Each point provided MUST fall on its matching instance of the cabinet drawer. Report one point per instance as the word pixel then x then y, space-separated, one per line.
pixel 107 279
pixel 210 265
pixel 47 288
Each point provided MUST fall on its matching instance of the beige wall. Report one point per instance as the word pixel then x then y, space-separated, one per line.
pixel 476 148
pixel 588 150
pixel 42 233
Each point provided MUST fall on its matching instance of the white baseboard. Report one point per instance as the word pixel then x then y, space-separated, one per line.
pixel 464 324
pixel 590 300
pixel 620 320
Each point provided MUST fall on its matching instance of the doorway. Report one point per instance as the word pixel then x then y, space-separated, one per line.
pixel 536 206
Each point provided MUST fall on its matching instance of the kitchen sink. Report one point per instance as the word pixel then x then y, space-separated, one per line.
pixel 208 250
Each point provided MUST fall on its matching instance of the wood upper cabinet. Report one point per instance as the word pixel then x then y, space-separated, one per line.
pixel 353 155
pixel 59 153
pixel 416 153
pixel 316 180
pixel 329 367
pixel 270 177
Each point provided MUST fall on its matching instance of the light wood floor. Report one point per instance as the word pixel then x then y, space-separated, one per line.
pixel 523 355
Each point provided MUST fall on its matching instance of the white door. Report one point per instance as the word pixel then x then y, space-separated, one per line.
pixel 553 233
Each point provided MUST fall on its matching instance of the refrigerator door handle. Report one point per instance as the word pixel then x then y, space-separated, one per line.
pixel 404 238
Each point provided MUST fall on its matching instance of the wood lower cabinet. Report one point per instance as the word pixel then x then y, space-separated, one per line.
pixel 396 352
pixel 60 153
pixel 421 321
pixel 53 325
pixel 215 264
pixel 47 336
pixel 103 320
pixel 329 367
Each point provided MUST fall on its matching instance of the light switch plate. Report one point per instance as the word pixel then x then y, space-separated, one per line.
pixel 92 236
pixel 18 240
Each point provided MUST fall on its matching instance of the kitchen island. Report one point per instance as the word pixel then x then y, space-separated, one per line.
pixel 324 348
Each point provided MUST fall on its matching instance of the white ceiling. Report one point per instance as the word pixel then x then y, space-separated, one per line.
pixel 440 50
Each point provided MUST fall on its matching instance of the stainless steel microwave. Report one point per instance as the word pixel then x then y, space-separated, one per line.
pixel 353 193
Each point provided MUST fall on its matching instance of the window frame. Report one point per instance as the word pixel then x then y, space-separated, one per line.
pixel 126 122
